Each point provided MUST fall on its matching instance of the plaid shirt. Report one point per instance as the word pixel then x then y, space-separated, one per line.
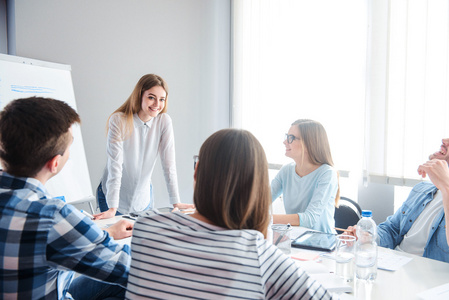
pixel 42 240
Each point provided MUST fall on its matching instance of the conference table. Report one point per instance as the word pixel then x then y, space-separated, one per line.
pixel 416 276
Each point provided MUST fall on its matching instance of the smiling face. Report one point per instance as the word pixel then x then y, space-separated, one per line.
pixel 153 102
pixel 443 153
pixel 296 149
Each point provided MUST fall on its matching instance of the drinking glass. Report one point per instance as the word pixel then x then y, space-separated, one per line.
pixel 344 257
pixel 281 237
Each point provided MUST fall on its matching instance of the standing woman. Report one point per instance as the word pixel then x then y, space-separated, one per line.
pixel 138 131
pixel 309 184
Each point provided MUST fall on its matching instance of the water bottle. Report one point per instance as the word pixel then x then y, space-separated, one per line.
pixel 366 248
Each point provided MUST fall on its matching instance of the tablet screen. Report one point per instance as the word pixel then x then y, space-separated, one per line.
pixel 315 240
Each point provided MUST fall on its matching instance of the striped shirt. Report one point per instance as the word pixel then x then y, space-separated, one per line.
pixel 177 256
pixel 42 240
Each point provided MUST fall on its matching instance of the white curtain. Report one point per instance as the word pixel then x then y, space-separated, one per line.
pixel 301 59
pixel 374 73
pixel 407 99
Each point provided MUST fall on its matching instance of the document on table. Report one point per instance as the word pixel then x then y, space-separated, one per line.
pixel 332 283
pixel 390 261
pixel 321 273
pixel 437 293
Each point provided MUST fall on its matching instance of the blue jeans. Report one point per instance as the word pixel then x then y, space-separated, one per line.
pixel 84 287
pixel 101 198
pixel 103 205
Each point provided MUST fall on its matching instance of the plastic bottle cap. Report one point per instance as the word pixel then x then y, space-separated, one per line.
pixel 366 213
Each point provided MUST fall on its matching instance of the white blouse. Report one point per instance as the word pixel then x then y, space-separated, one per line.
pixel 127 177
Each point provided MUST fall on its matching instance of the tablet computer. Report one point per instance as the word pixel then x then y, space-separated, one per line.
pixel 315 240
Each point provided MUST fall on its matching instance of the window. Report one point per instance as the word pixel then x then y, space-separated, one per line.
pixel 374 73
pixel 408 92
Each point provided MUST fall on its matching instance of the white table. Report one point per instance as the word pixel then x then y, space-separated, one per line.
pixel 104 223
pixel 418 275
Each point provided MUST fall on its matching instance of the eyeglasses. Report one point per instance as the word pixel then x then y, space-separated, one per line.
pixel 290 138
pixel 195 160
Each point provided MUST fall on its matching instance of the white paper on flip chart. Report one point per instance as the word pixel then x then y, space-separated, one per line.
pixel 390 261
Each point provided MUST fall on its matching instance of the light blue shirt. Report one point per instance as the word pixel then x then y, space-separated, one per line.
pixel 312 197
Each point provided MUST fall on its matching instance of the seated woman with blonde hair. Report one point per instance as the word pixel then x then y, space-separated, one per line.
pixel 309 184
pixel 219 251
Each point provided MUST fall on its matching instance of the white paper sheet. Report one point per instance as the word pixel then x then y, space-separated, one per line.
pixel 437 293
pixel 322 274
pixel 390 261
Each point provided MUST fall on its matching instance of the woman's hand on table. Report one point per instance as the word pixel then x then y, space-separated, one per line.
pixel 106 214
pixel 184 206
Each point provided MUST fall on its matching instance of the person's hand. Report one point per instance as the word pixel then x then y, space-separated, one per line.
pixel 438 173
pixel 184 206
pixel 352 230
pixel 106 214
pixel 120 230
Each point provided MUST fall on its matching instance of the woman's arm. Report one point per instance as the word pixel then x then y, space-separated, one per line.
pixel 284 279
pixel 168 159
pixel 276 191
pixel 293 219
pixel 276 186
pixel 114 147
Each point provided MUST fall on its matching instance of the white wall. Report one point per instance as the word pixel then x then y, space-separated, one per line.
pixel 3 27
pixel 110 44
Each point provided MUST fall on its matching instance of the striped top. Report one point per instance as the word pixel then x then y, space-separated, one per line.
pixel 177 256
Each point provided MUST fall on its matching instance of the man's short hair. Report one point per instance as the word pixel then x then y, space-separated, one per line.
pixel 33 131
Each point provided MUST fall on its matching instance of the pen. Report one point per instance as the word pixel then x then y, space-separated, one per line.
pixel 87 214
pixel 283 234
pixel 341 229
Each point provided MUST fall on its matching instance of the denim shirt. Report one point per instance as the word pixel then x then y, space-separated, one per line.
pixel 392 231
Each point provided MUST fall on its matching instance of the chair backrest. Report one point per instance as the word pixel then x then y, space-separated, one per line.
pixel 347 214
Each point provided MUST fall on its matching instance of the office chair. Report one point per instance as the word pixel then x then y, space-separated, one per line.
pixel 347 214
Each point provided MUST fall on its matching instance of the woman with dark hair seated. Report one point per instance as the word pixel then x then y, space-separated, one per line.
pixel 219 251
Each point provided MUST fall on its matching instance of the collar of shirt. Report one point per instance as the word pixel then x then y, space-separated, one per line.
pixel 8 181
pixel 139 123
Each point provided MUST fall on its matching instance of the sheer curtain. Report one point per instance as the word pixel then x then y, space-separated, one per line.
pixel 407 101
pixel 301 59
pixel 374 73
